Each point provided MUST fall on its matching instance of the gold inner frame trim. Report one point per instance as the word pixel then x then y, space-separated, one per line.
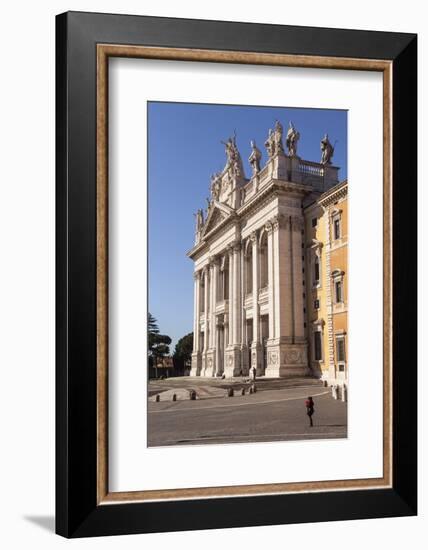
pixel 104 51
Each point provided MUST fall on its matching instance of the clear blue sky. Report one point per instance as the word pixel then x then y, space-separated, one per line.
pixel 184 149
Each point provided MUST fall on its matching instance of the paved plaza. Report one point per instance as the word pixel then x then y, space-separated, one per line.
pixel 276 412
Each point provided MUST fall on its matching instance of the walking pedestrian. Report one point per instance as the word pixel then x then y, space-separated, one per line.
pixel 254 371
pixel 309 403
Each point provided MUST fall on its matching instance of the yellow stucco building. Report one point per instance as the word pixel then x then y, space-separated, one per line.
pixel 326 266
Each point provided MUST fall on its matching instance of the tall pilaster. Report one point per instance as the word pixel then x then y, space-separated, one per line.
pixel 256 351
pixel 205 275
pixel 271 286
pixel 283 278
pixel 287 351
pixel 233 355
pixel 243 343
pixel 297 226
pixel 196 355
pixel 231 309
pixel 212 339
pixel 206 308
pixel 237 306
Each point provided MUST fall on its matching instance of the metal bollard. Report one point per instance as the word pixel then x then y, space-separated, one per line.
pixel 192 395
pixel 230 392
pixel 243 391
pixel 250 390
pixel 254 388
pixel 174 397
pixel 157 398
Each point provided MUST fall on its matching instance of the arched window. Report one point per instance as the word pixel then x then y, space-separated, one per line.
pixel 202 294
pixel 316 270
pixel 226 280
pixel 264 272
pixel 249 270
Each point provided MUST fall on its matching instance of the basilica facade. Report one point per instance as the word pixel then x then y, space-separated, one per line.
pixel 265 273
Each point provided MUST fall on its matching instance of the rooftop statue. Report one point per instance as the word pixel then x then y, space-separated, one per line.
pixel 292 138
pixel 270 144
pixel 327 150
pixel 199 219
pixel 234 161
pixel 254 158
pixel 215 186
pixel 278 131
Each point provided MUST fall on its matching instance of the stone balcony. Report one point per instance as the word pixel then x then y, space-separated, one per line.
pixel 263 294
pixel 318 177
pixel 222 306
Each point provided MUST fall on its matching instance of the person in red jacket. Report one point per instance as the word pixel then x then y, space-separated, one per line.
pixel 309 403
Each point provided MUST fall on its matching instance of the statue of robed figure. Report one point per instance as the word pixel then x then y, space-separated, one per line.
pixel 327 150
pixel 254 158
pixel 291 140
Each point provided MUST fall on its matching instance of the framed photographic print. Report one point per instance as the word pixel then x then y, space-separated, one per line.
pixel 236 274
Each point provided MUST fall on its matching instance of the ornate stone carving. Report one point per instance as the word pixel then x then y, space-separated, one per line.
pixel 273 144
pixel 278 131
pixel 199 219
pixel 270 144
pixel 254 158
pixel 253 237
pixel 215 186
pixel 297 223
pixel 293 356
pixel 269 226
pixel 273 358
pixel 280 221
pixel 292 139
pixel 327 150
pixel 234 161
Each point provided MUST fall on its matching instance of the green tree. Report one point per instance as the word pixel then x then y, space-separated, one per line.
pixel 183 352
pixel 158 343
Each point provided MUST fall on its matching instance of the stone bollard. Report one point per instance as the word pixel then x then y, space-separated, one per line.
pixel 335 392
pixel 243 391
pixel 174 397
pixel 230 392
pixel 157 398
pixel 344 393
pixel 192 395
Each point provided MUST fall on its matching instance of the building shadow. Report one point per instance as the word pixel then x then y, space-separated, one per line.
pixel 45 522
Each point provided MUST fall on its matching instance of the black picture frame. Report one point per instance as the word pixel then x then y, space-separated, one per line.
pixel 77 511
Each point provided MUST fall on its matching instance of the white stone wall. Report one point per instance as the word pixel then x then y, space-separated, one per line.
pixel 270 207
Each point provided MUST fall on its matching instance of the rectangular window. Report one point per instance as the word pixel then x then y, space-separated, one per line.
pixel 316 304
pixel 314 222
pixel 338 290
pixel 316 271
pixel 336 225
pixel 340 349
pixel 317 346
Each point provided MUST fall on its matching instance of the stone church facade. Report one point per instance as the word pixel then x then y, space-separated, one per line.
pixel 254 264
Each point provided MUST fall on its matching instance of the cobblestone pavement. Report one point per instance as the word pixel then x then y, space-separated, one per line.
pixel 277 414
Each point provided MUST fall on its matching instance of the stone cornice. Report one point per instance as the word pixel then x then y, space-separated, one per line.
pixel 335 193
pixel 260 199
pixel 274 187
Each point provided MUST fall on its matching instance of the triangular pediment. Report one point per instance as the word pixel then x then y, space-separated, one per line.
pixel 217 213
